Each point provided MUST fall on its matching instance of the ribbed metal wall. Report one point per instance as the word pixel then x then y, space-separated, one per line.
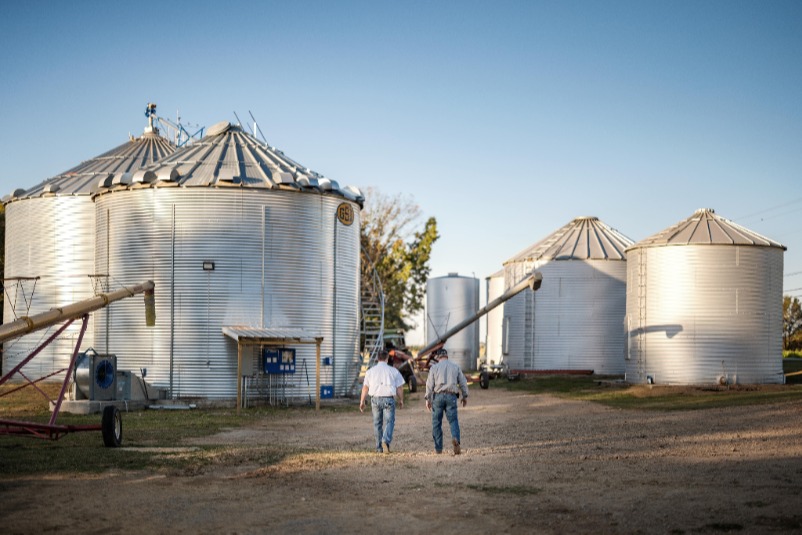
pixel 699 312
pixel 50 233
pixel 449 300
pixel 495 318
pixel 573 322
pixel 51 238
pixel 281 260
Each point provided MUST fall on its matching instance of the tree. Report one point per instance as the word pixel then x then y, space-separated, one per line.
pixel 792 323
pixel 394 244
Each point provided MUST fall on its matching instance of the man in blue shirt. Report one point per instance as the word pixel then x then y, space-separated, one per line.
pixel 383 383
pixel 443 386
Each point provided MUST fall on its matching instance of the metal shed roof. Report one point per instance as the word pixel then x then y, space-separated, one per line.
pixel 584 238
pixel 230 157
pixel 705 227
pixel 246 333
pixel 114 164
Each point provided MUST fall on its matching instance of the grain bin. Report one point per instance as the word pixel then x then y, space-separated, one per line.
pixel 494 286
pixel 50 247
pixel 449 300
pixel 234 234
pixel 574 322
pixel 704 305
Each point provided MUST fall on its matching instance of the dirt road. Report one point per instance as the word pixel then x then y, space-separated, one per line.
pixel 532 464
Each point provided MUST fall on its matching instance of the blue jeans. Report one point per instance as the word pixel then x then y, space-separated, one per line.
pixel 444 403
pixel 383 420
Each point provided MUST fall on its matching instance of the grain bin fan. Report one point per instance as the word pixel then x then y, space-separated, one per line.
pixel 95 376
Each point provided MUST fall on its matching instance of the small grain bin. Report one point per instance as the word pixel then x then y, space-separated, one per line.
pixel 574 322
pixel 50 247
pixel 704 305
pixel 449 300
pixel 238 238
pixel 495 318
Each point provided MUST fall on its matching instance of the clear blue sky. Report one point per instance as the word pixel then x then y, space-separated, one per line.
pixel 504 120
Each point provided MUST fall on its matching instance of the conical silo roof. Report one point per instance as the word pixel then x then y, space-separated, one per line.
pixel 123 160
pixel 584 238
pixel 705 227
pixel 229 157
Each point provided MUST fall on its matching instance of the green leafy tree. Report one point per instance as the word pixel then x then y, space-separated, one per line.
pixel 394 243
pixel 792 323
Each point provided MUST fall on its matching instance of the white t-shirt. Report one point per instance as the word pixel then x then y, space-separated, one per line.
pixel 382 380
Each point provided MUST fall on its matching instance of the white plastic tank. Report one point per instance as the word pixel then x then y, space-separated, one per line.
pixel 704 305
pixel 574 322
pixel 449 300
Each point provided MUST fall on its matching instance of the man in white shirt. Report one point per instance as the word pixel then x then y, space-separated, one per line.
pixel 383 383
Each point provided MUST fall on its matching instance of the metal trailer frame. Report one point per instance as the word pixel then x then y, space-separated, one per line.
pixel 111 422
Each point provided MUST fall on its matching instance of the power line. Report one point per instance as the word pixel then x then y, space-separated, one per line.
pixel 771 209
pixel 792 274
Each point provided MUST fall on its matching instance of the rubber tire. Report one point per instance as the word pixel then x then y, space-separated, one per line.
pixel 484 380
pixel 112 427
pixel 412 383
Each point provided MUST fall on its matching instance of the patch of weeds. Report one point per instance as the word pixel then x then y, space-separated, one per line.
pixel 658 397
pixel 517 490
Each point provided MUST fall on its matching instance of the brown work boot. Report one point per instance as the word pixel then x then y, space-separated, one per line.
pixel 385 447
pixel 456 446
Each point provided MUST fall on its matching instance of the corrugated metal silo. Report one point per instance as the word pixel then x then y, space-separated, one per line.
pixel 233 233
pixel 50 247
pixel 574 321
pixel 704 305
pixel 495 318
pixel 449 300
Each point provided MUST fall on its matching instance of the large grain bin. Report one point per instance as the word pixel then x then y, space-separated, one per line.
pixel 50 248
pixel 574 321
pixel 449 300
pixel 704 305
pixel 495 318
pixel 234 234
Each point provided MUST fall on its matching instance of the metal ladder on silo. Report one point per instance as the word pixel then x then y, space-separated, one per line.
pixel 640 339
pixel 371 309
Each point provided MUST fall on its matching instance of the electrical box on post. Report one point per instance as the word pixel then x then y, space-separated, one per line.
pixel 278 360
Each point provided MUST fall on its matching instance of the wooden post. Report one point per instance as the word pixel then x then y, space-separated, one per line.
pixel 317 374
pixel 239 376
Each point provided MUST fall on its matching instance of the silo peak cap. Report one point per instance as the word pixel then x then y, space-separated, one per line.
pixel 218 128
